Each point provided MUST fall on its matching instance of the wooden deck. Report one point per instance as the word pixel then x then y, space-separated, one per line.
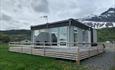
pixel 71 53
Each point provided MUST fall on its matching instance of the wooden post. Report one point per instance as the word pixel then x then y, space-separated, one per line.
pixel 103 47
pixel 114 46
pixel 98 49
pixel 89 52
pixel 44 47
pixel 31 47
pixel 78 56
pixel 21 48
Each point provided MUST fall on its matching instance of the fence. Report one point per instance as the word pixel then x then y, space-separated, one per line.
pixel 52 50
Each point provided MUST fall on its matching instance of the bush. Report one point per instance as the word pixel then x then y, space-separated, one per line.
pixel 4 38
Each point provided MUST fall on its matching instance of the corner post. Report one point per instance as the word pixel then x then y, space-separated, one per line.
pixel 78 56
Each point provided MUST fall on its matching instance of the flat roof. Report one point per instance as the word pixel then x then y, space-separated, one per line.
pixel 68 22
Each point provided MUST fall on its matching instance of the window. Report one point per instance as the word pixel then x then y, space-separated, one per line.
pixel 75 35
pixel 83 34
pixel 42 36
pixel 63 36
pixel 36 32
pixel 53 35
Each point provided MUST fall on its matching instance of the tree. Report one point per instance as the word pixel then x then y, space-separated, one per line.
pixel 4 38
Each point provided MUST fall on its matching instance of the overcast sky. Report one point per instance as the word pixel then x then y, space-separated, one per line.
pixel 21 14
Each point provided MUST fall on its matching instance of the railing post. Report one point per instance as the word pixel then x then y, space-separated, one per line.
pixel 89 51
pixel 31 47
pixel 103 47
pixel 44 47
pixel 21 46
pixel 78 56
pixel 98 49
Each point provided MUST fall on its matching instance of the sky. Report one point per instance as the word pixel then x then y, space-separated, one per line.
pixel 21 14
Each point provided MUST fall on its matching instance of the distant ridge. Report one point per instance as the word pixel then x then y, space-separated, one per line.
pixel 107 16
pixel 104 20
pixel 17 35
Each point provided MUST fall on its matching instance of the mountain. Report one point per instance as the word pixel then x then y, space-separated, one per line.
pixel 107 16
pixel 105 19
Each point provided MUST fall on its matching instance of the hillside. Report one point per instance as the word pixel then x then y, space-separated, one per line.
pixel 17 35
pixel 106 34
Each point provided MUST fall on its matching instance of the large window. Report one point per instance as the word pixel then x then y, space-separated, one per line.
pixel 41 36
pixel 75 35
pixel 36 32
pixel 53 35
pixel 85 35
pixel 63 36
pixel 58 36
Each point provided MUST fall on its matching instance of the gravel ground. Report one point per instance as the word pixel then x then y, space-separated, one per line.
pixel 103 61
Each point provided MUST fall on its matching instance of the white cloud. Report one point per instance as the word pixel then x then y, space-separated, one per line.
pixel 24 13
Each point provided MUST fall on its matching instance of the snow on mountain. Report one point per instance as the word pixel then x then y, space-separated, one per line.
pixel 107 16
pixel 105 19
pixel 98 25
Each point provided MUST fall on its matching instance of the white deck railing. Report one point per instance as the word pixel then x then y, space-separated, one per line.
pixel 69 44
pixel 75 51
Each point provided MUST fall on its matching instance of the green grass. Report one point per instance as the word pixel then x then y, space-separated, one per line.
pixel 18 61
pixel 112 68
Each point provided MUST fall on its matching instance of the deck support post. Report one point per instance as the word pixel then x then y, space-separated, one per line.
pixel 31 49
pixel 78 56
pixel 44 47
pixel 21 48
pixel 89 52
pixel 97 50
pixel 78 62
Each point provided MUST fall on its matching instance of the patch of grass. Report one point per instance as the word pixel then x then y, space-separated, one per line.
pixel 112 68
pixel 18 61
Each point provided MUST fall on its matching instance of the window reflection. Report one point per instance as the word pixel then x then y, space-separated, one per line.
pixel 63 36
pixel 36 32
pixel 75 31
pixel 42 37
pixel 53 35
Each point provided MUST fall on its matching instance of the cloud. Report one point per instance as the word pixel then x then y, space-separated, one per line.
pixel 24 13
pixel 78 8
pixel 40 6
pixel 5 17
